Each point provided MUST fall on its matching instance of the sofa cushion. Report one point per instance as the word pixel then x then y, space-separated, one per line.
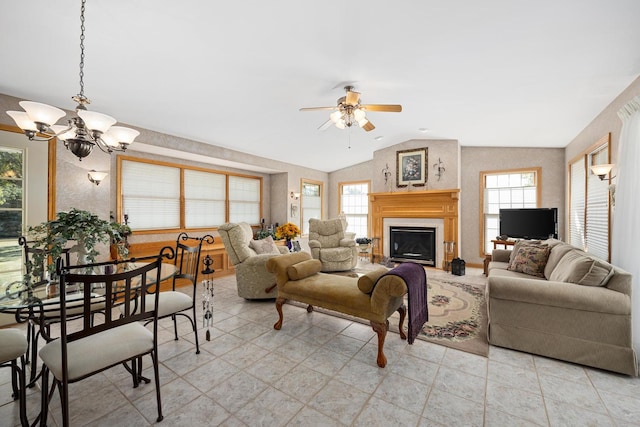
pixel 304 269
pixel 578 267
pixel 264 246
pixel 530 259
pixel 522 243
pixel 338 254
pixel 557 252
pixel 367 282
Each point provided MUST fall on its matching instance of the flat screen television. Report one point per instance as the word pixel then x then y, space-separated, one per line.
pixel 529 223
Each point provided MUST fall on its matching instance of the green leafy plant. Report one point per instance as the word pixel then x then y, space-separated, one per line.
pixel 263 234
pixel 83 227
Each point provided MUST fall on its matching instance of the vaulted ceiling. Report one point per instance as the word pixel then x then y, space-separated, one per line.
pixel 235 74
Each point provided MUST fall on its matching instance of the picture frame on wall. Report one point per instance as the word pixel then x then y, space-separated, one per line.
pixel 411 167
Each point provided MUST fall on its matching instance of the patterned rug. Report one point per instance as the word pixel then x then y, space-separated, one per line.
pixel 457 311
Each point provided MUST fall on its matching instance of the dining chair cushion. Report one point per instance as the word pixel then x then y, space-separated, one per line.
pixel 170 302
pixel 14 344
pixel 99 351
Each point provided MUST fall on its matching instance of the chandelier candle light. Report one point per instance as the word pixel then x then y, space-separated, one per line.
pixel 81 133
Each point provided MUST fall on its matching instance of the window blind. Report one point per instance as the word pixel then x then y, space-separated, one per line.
pixel 151 195
pixel 597 209
pixel 577 235
pixel 204 199
pixel 244 200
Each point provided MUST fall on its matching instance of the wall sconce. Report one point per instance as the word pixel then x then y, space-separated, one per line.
pixel 439 167
pixel 602 170
pixel 96 177
pixel 294 196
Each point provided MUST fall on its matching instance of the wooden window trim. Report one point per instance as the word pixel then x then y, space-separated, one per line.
pixel 483 174
pixel 182 167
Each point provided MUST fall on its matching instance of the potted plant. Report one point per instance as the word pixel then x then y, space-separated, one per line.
pixel 83 227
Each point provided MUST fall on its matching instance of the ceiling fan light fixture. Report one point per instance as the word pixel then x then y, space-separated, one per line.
pixel 362 122
pixel 359 114
pixel 340 124
pixel 336 116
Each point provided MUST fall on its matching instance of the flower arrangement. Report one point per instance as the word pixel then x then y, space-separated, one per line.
pixel 287 231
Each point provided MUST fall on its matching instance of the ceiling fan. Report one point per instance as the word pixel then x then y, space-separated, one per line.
pixel 349 111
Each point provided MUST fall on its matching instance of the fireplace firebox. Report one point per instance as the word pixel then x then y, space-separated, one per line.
pixel 417 244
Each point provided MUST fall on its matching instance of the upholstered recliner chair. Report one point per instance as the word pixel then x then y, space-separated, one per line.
pixel 330 244
pixel 252 278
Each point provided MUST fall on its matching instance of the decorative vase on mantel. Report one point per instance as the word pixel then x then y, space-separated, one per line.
pixel 289 244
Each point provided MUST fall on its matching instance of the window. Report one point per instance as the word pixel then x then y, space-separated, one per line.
pixel 11 212
pixel 506 189
pixel 164 196
pixel 310 202
pixel 205 197
pixel 589 201
pixel 354 204
pixel 244 200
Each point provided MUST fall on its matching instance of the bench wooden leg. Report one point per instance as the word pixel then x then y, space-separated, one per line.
pixel 279 302
pixel 381 330
pixel 271 288
pixel 309 308
pixel 403 313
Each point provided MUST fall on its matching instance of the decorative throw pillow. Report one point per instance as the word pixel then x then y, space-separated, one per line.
pixel 304 269
pixel 530 259
pixel 264 246
pixel 578 267
pixel 367 281
pixel 522 243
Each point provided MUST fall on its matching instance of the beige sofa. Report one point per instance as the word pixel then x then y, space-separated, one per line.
pixel 369 297
pixel 577 308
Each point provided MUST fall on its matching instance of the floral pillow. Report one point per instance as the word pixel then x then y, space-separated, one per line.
pixel 264 246
pixel 530 259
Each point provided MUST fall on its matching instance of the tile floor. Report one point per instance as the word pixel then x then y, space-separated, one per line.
pixel 320 370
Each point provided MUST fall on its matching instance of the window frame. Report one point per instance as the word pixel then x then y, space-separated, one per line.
pixel 182 168
pixel 320 184
pixel 536 170
pixel 585 158
pixel 341 186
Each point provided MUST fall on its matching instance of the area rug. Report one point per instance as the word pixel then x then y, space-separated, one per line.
pixel 457 312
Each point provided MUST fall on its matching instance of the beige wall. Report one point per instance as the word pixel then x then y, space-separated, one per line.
pixel 477 159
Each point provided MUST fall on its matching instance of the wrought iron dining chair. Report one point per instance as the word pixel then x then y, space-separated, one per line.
pixel 39 277
pixel 14 347
pixel 175 303
pixel 120 337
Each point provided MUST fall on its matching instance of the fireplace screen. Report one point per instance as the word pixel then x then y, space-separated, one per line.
pixel 417 244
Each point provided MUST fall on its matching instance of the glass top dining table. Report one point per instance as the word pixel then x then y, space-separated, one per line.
pixel 16 296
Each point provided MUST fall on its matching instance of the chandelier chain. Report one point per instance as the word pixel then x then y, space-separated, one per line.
pixel 81 94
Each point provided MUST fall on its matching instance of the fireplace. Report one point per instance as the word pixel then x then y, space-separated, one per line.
pixel 416 244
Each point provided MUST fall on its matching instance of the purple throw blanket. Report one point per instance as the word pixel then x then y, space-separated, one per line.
pixel 416 280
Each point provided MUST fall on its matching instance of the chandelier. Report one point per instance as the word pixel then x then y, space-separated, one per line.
pixel 82 132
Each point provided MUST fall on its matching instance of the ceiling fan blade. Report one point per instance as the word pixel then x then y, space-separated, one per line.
pixel 325 125
pixel 393 108
pixel 317 108
pixel 368 127
pixel 352 98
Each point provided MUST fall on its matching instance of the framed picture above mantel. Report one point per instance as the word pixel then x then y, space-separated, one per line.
pixel 411 167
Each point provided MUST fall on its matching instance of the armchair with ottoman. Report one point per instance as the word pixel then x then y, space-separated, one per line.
pixel 552 299
pixel 249 257
pixel 329 243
